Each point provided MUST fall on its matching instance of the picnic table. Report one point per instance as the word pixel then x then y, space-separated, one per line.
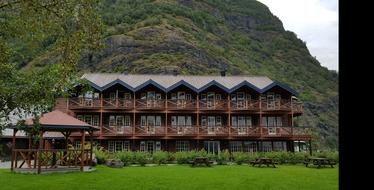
pixel 264 161
pixel 200 160
pixel 319 162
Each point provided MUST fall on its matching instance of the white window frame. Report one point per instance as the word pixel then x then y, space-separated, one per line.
pixel 95 120
pixel 181 146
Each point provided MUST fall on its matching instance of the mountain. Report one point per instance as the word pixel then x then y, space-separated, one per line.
pixel 206 36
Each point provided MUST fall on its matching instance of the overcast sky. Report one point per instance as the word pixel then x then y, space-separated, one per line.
pixel 313 21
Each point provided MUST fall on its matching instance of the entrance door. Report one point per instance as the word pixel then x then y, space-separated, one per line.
pixel 212 147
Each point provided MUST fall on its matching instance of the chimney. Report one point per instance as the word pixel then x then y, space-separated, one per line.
pixel 223 73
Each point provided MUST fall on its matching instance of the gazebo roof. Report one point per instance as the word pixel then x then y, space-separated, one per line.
pixel 60 121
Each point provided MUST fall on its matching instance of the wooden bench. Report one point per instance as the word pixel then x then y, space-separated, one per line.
pixel 319 162
pixel 263 161
pixel 200 161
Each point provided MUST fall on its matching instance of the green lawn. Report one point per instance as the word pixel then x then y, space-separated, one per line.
pixel 178 177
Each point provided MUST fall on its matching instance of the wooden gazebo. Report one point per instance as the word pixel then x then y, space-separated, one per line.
pixel 40 158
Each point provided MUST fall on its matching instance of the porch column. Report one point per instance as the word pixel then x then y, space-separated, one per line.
pixel 40 150
pixel 13 147
pixel 82 148
pixel 310 147
pixel 91 147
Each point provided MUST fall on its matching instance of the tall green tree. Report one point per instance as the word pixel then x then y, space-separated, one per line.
pixel 62 28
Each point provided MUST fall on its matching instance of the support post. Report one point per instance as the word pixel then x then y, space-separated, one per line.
pixel 13 149
pixel 91 147
pixel 82 149
pixel 310 147
pixel 41 145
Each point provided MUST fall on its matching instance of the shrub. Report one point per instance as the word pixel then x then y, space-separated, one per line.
pixel 223 158
pixel 100 155
pixel 240 157
pixel 141 158
pixel 183 157
pixel 160 157
pixel 126 157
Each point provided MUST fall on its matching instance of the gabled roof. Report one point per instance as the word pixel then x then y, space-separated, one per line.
pixel 57 120
pixel 166 83
pixel 283 86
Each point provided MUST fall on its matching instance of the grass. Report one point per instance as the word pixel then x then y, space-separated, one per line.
pixel 179 177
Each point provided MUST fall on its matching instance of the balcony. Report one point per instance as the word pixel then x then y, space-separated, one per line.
pixel 214 131
pixel 119 103
pixel 299 132
pixel 182 130
pixel 245 131
pixel 281 105
pixel 80 102
pixel 245 105
pixel 116 130
pixel 150 104
pixel 213 105
pixel 149 131
pixel 181 104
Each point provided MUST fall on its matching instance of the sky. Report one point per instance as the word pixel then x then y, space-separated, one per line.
pixel 313 21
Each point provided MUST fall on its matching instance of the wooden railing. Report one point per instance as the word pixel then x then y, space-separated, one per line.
pixel 149 131
pixel 214 131
pixel 150 104
pixel 116 130
pixel 286 131
pixel 245 105
pixel 245 131
pixel 80 102
pixel 213 104
pixel 49 158
pixel 182 130
pixel 181 104
pixel 118 103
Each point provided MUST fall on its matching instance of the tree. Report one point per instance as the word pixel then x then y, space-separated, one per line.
pixel 66 28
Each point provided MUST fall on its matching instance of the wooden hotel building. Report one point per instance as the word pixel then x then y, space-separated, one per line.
pixel 181 113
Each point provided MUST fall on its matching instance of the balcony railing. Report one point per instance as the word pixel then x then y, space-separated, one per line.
pixel 150 104
pixel 286 131
pixel 245 131
pixel 182 130
pixel 213 104
pixel 117 130
pixel 245 105
pixel 118 103
pixel 80 102
pixel 94 103
pixel 214 131
pixel 181 104
pixel 149 130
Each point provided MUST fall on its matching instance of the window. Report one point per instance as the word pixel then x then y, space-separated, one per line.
pixel 279 121
pixel 120 120
pixel 266 146
pixel 182 146
pixel 248 97
pixel 142 146
pixel 203 120
pixel 241 121
pixel 218 121
pixel 173 121
pixel 188 96
pixel 271 122
pixel 158 96
pixel 143 121
pixel 126 146
pixel 181 95
pixel 151 95
pixel 96 120
pixel 118 146
pixel 110 146
pixel 203 96
pixel 211 121
pixel 112 120
pixel 236 146
pixel 233 97
pixel 151 120
pixel 249 121
pixel 173 96
pixel 280 146
pixel 250 146
pixel 158 146
pixel 77 145
pixel 181 121
pixel 234 122
pixel 240 95
pixel 188 121
pixel 88 119
pixel 112 96
pixel 127 121
pixel 218 97
pixel 158 121
pixel 264 122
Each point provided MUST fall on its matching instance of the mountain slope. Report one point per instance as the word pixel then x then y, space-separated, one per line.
pixel 206 36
